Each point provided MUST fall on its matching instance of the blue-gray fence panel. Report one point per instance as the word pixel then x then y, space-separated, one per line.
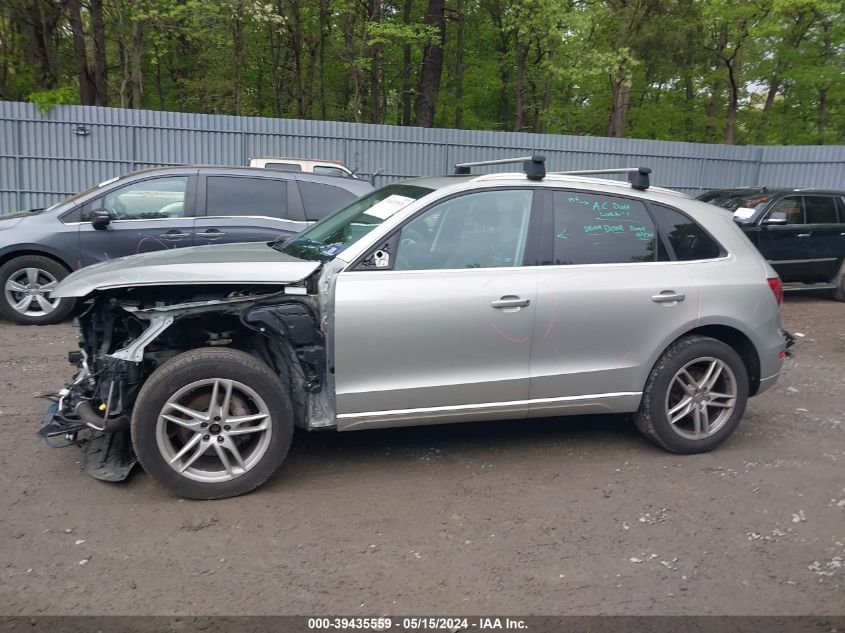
pixel 44 157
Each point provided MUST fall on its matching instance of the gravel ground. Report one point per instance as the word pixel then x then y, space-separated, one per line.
pixel 557 516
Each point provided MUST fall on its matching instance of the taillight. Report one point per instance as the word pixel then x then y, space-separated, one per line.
pixel 777 287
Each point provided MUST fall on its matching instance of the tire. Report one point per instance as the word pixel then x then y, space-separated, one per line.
pixel 190 379
pixel 28 273
pixel 838 293
pixel 664 393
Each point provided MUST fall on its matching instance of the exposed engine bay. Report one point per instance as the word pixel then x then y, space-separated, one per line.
pixel 126 334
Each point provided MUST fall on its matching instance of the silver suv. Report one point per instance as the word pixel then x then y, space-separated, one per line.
pixel 433 300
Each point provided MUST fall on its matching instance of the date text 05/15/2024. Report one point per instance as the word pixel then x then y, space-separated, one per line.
pixel 417 624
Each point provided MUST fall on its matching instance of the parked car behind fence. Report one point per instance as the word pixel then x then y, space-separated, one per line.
pixel 150 210
pixel 801 232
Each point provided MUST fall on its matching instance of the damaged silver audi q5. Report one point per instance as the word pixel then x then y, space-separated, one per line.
pixel 433 300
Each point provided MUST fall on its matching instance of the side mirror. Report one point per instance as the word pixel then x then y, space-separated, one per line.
pixel 777 218
pixel 377 172
pixel 100 219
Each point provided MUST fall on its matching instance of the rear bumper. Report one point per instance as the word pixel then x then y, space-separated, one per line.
pixel 771 371
pixel 767 383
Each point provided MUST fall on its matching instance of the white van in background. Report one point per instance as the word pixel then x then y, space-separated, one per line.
pixel 327 167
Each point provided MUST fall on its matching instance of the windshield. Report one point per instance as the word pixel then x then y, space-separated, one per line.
pixel 733 200
pixel 334 233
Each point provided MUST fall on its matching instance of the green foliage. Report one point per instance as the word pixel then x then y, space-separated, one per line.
pixel 46 100
pixel 743 71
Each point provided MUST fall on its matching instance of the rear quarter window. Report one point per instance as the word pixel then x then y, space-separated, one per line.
pixel 321 200
pixel 687 238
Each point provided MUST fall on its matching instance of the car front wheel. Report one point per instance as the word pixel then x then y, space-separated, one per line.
pixel 695 396
pixel 26 282
pixel 212 423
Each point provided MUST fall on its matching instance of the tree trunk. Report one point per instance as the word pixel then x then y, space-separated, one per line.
pixel 38 21
pixel 432 65
pixel 519 82
pixel 375 90
pixel 621 102
pixel 733 98
pixel 135 63
pixel 325 25
pixel 98 27
pixel 87 89
pixel 622 81
pixel 827 55
pixel 238 50
pixel 296 46
pixel 459 66
pixel 406 69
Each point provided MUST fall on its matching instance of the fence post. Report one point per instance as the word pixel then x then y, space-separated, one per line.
pixel 18 166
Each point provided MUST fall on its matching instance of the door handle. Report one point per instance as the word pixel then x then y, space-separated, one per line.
pixel 211 234
pixel 510 301
pixel 803 235
pixel 668 296
pixel 174 235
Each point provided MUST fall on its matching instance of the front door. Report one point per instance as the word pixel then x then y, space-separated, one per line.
pixel 147 215
pixel 443 331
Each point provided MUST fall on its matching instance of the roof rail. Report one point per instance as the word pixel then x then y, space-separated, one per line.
pixel 533 166
pixel 637 176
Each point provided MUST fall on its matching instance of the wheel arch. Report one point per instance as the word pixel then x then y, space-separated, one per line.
pixel 733 337
pixel 22 250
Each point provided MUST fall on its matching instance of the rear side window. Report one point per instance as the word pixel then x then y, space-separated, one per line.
pixel 228 195
pixel 688 240
pixel 321 200
pixel 820 209
pixel 592 228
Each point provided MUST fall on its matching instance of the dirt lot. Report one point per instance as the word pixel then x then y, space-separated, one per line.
pixel 565 516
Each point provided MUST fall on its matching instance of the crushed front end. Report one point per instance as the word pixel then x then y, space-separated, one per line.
pixel 125 335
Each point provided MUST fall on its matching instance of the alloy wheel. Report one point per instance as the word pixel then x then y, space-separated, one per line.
pixel 28 292
pixel 213 430
pixel 701 398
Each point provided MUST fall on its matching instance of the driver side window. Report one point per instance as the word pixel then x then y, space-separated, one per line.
pixel 487 229
pixel 153 199
pixel 791 206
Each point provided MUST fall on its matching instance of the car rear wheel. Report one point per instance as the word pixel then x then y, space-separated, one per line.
pixel 212 423
pixel 695 396
pixel 26 282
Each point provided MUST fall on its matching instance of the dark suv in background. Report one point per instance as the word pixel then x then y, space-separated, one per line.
pixel 151 210
pixel 801 232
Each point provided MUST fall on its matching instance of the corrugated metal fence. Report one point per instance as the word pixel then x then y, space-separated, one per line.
pixel 44 157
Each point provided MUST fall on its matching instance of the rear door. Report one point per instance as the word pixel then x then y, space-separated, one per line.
pixel 146 215
pixel 247 208
pixel 826 237
pixel 788 247
pixel 607 299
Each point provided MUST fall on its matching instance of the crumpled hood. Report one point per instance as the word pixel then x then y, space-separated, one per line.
pixel 247 263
